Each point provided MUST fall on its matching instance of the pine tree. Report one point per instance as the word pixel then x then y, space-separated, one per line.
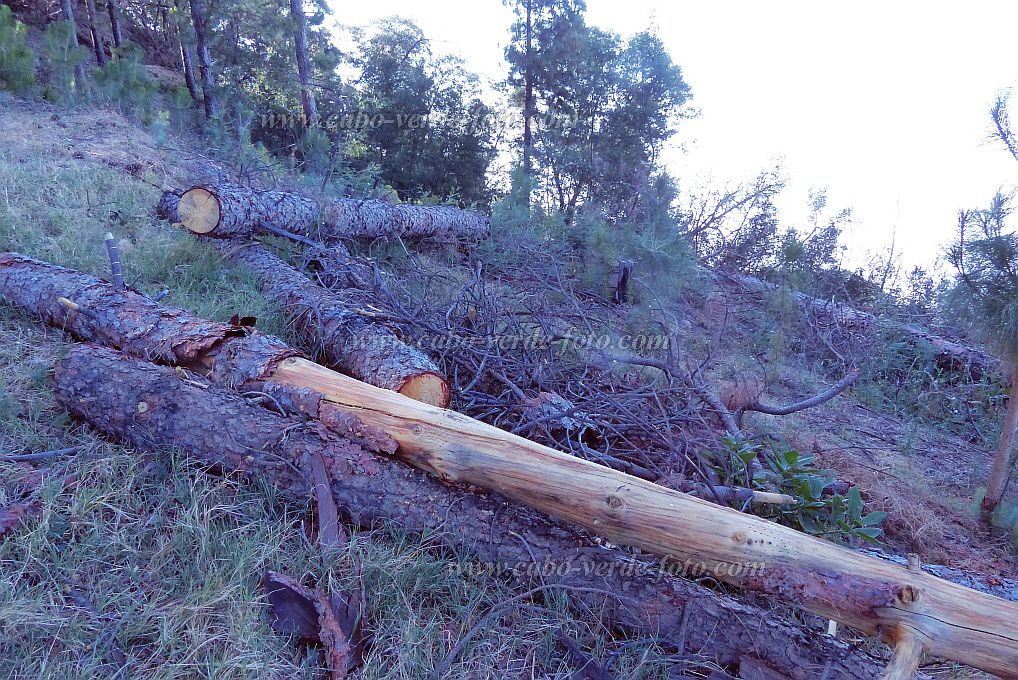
pixel 986 258
pixel 17 61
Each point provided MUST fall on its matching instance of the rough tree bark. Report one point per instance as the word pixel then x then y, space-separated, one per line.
pixel 1001 467
pixel 204 60
pixel 352 343
pixel 155 409
pixel 93 31
pixel 869 594
pixel 225 211
pixel 118 32
pixel 186 61
pixel 300 34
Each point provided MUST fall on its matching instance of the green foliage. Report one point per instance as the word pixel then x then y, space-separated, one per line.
pixel 123 81
pixel 160 126
pixel 421 119
pixel 315 150
pixel 63 57
pixel 515 212
pixel 830 515
pixel 985 256
pixel 604 106
pixel 181 109
pixel 17 60
pixel 651 239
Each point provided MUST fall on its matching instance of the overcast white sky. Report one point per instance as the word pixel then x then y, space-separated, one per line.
pixel 883 103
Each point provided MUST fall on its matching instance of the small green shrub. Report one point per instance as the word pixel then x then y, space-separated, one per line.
pixel 62 57
pixel 123 82
pixel 181 109
pixel 830 515
pixel 17 60
pixel 315 150
pixel 160 126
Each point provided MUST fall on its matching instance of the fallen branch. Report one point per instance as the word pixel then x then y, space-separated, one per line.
pixel 40 455
pixel 815 400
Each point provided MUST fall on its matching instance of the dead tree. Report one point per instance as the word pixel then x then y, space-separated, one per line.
pixel 873 596
pixel 300 41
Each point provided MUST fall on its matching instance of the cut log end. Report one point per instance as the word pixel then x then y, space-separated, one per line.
pixel 199 210
pixel 429 388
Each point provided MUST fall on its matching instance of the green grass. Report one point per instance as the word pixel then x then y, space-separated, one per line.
pixel 167 555
pixel 60 211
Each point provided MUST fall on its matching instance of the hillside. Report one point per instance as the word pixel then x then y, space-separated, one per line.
pixel 147 564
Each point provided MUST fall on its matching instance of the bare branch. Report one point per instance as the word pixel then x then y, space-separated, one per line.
pixel 816 400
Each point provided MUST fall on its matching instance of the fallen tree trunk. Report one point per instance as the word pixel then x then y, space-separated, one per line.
pixel 156 409
pixel 834 582
pixel 227 210
pixel 947 354
pixel 352 343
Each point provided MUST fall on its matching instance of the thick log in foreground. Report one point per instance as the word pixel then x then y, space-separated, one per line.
pixel 155 409
pixel 227 210
pixel 348 341
pixel 875 596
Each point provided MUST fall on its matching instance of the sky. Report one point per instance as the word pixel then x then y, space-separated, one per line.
pixel 885 104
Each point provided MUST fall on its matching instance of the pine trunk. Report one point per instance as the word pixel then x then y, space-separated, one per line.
pixel 528 95
pixel 348 341
pixel 156 410
pixel 118 33
pixel 204 60
pixel 93 31
pixel 187 63
pixel 1001 468
pixel 300 31
pixel 225 211
pixel 874 596
pixel 67 10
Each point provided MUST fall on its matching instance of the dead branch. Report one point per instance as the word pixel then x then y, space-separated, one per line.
pixel 815 400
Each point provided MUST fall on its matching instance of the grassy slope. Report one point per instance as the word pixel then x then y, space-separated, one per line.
pixel 168 557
